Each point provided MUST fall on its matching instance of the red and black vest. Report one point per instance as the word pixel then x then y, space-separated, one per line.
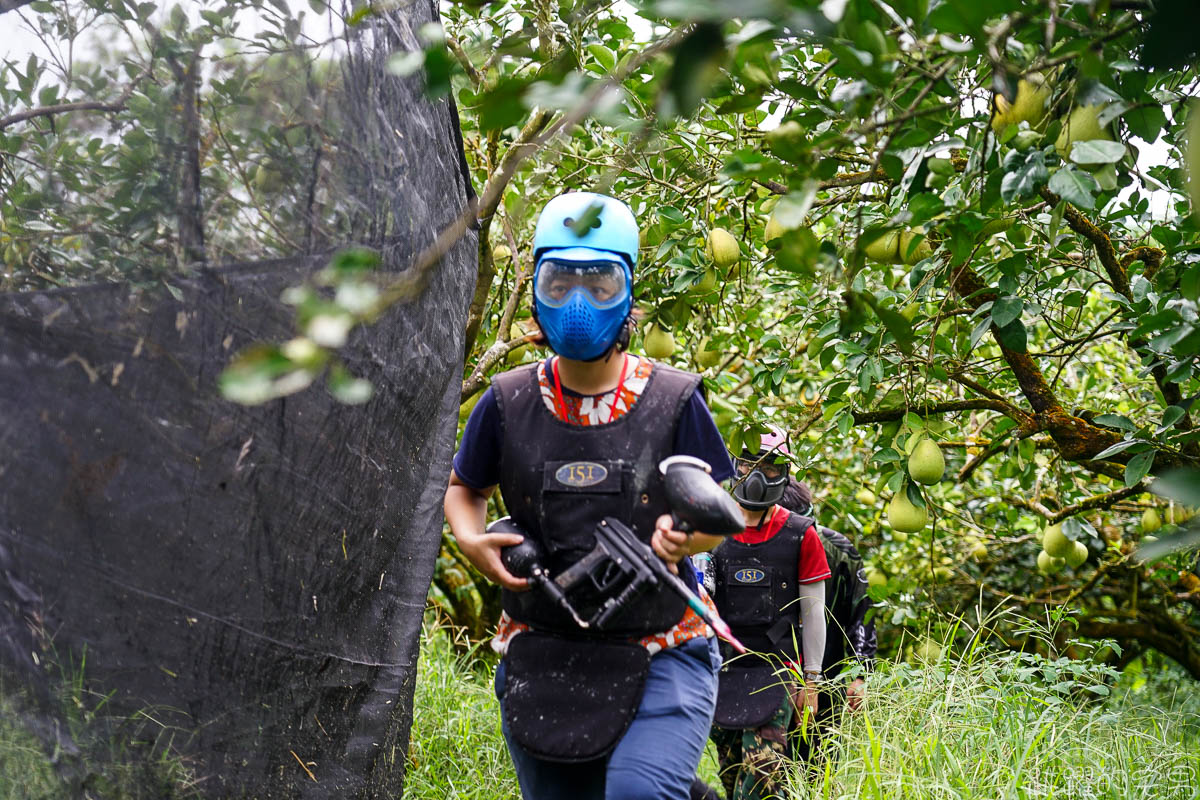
pixel 758 589
pixel 559 480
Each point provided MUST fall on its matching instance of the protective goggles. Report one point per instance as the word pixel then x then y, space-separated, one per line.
pixel 773 467
pixel 603 284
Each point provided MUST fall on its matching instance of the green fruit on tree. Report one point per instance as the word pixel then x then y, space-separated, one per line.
pixel 1083 125
pixel 979 551
pixel 904 516
pixel 1028 106
pixel 865 497
pixel 517 353
pixel 658 343
pixel 787 140
pixel 774 229
pixel 876 579
pixel 267 178
pixel 722 248
pixel 706 284
pixel 898 247
pixel 911 251
pixel 926 464
pixel 928 651
pixel 884 249
pixel 707 357
pixel 1048 564
pixel 501 253
pixel 899 536
pixel 1150 521
pixel 1056 543
pixel 1078 555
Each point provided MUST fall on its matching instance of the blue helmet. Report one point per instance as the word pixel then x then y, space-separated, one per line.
pixel 613 229
pixel 583 284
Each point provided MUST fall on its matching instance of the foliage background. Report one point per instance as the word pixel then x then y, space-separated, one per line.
pixel 1046 338
pixel 1040 324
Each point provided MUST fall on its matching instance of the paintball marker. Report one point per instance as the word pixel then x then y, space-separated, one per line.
pixel 621 567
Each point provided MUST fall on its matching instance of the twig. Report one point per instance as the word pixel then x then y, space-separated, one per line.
pixel 67 108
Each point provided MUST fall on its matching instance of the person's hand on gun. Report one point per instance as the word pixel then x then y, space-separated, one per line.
pixel 483 549
pixel 669 544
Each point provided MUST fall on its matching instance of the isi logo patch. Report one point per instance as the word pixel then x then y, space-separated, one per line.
pixel 749 576
pixel 580 474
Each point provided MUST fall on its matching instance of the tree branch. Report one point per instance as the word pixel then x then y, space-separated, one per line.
pixel 930 409
pixel 1105 250
pixel 489 359
pixel 413 281
pixel 487 267
pixel 67 108
pixel 1105 500
pixel 1075 438
pixel 1169 643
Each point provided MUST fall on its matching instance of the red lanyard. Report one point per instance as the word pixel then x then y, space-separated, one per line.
pixel 562 406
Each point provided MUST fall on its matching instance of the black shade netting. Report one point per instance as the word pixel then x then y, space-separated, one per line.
pixel 253 578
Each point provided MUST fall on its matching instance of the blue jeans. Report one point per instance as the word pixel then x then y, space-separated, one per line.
pixel 658 755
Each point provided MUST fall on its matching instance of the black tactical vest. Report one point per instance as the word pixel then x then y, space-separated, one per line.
pixel 559 480
pixel 757 589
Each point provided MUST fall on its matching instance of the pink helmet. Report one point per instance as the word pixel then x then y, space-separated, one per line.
pixel 763 475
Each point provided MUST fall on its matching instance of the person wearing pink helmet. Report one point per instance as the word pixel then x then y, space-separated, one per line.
pixel 770 589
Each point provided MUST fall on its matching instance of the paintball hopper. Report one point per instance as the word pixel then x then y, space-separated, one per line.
pixel 698 503
pixel 524 559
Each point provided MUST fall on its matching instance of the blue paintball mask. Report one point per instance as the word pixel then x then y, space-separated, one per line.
pixel 582 298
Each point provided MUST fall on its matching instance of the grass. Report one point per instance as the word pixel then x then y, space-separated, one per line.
pixel 118 758
pixel 994 726
pixel 988 725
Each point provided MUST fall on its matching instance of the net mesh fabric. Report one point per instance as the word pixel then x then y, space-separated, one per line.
pixel 253 577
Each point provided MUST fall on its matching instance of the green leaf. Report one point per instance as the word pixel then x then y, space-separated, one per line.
pixel 1115 421
pixel 1024 177
pixel 791 209
pixel 1097 151
pixel 605 57
pixel 1138 466
pixel 1013 336
pixel 899 327
pixel 1120 446
pixel 348 389
pixel 1181 484
pixel 741 103
pixel 1075 186
pixel 1171 416
pixel 1007 309
pixel 887 455
pixel 696 68
pixel 1145 122
pixel 914 494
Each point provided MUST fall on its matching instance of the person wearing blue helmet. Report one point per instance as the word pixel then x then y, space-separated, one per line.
pixel 570 441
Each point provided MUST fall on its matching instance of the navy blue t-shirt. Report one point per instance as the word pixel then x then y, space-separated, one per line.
pixel 477 462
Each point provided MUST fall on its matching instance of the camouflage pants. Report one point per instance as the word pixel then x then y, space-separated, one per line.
pixel 753 761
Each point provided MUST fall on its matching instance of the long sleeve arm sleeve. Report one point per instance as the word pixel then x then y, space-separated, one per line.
pixel 812 618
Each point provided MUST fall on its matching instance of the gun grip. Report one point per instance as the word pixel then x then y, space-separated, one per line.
pixel 679 524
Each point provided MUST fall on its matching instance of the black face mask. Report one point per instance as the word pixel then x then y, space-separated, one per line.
pixel 757 492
